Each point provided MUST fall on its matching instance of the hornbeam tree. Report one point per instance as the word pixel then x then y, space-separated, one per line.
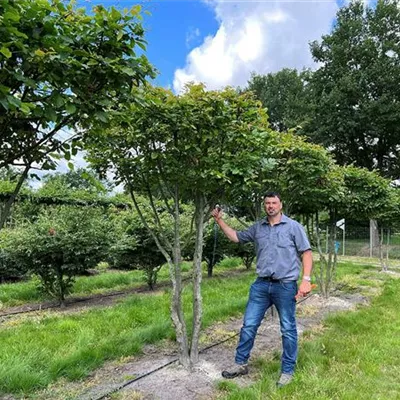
pixel 191 147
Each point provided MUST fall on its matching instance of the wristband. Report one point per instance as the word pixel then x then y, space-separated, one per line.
pixel 307 278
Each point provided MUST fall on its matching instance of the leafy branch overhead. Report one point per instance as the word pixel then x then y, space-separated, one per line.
pixel 60 67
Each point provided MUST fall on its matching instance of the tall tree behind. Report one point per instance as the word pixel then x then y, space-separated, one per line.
pixel 356 88
pixel 284 94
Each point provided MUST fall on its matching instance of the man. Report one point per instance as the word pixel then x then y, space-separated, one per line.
pixel 282 246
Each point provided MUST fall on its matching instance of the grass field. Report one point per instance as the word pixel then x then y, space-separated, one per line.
pixel 354 357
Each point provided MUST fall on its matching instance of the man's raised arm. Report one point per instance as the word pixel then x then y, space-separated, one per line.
pixel 229 232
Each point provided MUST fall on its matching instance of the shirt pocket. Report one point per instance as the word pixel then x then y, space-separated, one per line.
pixel 284 240
pixel 261 240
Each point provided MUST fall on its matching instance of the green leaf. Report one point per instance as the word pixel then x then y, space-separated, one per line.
pixel 71 166
pixel 70 108
pixel 6 52
pixel 25 108
pixel 128 71
pixel 102 116
pixel 141 45
pixel 40 53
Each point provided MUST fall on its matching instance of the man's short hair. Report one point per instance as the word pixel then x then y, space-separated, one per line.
pixel 273 194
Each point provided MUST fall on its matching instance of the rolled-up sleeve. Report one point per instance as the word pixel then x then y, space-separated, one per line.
pixel 247 235
pixel 300 238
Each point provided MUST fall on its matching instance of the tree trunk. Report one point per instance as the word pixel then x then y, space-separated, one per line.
pixel 374 237
pixel 210 265
pixel 177 314
pixel 197 299
pixel 332 256
pixel 5 212
pixel 174 264
pixel 327 263
pixel 322 259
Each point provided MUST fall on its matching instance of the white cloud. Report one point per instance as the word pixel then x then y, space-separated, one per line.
pixel 261 36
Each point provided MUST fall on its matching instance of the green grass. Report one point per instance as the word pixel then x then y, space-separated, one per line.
pixel 36 352
pixel 14 294
pixel 356 357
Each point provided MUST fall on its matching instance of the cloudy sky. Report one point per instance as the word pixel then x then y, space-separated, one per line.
pixel 221 42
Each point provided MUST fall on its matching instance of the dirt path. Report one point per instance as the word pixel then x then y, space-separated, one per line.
pixel 173 382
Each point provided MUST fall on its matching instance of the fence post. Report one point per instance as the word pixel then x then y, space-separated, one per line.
pixel 370 239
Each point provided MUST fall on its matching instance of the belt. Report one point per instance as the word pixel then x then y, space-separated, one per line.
pixel 269 279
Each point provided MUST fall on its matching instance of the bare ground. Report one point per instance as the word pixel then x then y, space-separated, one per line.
pixel 148 377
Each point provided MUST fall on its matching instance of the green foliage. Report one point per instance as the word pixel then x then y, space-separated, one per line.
pixel 305 174
pixel 9 269
pixel 200 140
pixel 179 148
pixel 59 245
pixel 285 96
pixel 356 87
pixel 367 194
pixel 58 67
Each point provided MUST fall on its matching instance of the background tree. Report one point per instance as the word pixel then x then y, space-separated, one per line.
pixel 285 95
pixel 356 87
pixel 61 68
pixel 183 148
pixel 367 196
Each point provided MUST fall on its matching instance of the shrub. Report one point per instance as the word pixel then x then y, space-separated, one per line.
pixel 61 244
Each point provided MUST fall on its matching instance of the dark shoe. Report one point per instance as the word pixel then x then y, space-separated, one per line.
pixel 284 380
pixel 235 371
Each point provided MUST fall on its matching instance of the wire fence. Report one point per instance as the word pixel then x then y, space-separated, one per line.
pixel 365 242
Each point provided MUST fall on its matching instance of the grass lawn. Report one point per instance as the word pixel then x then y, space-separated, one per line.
pixel 356 354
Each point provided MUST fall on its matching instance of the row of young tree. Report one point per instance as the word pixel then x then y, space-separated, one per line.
pixel 199 148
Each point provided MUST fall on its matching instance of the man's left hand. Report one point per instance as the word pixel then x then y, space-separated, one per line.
pixel 304 289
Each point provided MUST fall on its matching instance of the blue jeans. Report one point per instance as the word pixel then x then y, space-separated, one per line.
pixel 264 294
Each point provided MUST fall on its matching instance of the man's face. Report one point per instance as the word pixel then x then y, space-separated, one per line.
pixel 273 206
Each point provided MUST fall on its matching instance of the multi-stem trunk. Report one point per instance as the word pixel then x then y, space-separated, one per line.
pixel 322 259
pixel 177 314
pixel 197 299
pixel 332 257
pixel 174 264
pixel 384 266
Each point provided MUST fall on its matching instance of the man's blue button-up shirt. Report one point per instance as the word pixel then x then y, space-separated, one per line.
pixel 279 247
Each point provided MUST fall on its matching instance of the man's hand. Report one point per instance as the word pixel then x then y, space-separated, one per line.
pixel 217 213
pixel 304 289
